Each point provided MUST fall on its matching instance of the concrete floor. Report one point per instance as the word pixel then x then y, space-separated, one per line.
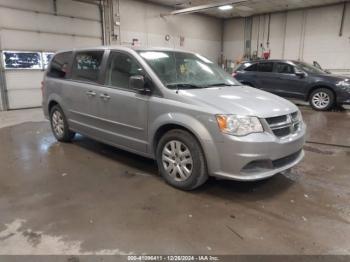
pixel 89 198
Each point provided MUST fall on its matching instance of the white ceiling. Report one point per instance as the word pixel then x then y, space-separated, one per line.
pixel 248 8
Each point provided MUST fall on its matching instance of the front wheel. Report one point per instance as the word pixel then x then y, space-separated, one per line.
pixel 59 125
pixel 181 161
pixel 322 99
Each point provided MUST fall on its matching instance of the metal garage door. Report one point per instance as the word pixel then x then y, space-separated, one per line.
pixel 29 29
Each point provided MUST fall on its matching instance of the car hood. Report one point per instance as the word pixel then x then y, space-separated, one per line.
pixel 240 100
pixel 332 77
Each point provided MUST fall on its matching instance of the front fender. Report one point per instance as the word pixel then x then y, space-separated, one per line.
pixel 195 126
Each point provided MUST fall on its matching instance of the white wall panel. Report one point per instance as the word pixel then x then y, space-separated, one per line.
pixel 46 42
pixel 35 5
pixel 310 34
pixel 322 40
pixel 48 23
pixel 234 38
pixel 143 21
pixel 293 34
pixel 23 88
pixel 277 29
pixel 76 25
pixel 78 9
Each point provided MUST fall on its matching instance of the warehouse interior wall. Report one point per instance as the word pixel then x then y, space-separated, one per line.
pixel 142 21
pixel 310 35
pixel 42 26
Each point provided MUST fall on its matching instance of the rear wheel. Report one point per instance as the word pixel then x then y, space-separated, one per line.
pixel 181 161
pixel 59 125
pixel 322 99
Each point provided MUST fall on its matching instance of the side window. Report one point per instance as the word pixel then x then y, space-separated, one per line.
pixel 120 68
pixel 86 66
pixel 265 67
pixel 59 65
pixel 283 68
pixel 252 68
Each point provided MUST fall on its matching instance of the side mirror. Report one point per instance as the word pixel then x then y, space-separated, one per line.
pixel 137 83
pixel 300 74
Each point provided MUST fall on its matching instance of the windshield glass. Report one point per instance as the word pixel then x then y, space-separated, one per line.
pixel 309 68
pixel 179 70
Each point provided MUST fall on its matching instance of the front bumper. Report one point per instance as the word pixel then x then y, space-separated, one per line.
pixel 343 97
pixel 258 156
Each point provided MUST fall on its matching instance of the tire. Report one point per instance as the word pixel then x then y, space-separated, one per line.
pixel 181 161
pixel 59 125
pixel 322 99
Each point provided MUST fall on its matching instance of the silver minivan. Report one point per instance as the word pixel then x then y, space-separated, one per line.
pixel 176 107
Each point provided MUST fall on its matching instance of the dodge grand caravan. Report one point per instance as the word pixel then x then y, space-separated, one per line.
pixel 176 107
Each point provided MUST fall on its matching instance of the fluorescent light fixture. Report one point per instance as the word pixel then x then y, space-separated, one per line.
pixel 225 7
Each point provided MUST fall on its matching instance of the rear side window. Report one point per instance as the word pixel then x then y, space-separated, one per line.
pixel 252 68
pixel 265 67
pixel 284 68
pixel 60 65
pixel 86 66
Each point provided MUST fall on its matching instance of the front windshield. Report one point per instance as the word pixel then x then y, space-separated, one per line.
pixel 309 68
pixel 179 70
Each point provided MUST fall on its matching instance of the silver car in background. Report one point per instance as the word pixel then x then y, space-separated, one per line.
pixel 176 107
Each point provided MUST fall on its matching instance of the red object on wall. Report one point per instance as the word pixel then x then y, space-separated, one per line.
pixel 266 54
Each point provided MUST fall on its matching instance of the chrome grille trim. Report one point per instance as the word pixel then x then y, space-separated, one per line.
pixel 288 126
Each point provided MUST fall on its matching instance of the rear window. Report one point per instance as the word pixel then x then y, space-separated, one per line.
pixel 86 66
pixel 59 65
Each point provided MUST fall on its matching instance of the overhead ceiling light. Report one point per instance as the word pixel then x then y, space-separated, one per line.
pixel 225 7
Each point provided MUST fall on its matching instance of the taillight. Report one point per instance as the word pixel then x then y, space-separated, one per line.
pixel 234 74
pixel 42 88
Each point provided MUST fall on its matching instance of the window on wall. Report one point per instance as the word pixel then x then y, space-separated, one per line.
pixel 120 68
pixel 59 65
pixel 22 60
pixel 26 60
pixel 86 65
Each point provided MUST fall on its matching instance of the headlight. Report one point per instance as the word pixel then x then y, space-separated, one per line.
pixel 344 83
pixel 239 125
pixel 299 117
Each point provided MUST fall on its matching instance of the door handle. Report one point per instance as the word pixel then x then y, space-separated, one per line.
pixel 90 93
pixel 105 96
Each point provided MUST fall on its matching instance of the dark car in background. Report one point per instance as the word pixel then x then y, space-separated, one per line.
pixel 297 80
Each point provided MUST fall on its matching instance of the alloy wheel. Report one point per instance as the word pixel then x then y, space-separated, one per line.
pixel 321 100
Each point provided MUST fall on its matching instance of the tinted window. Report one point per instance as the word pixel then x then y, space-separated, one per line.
pixel 265 67
pixel 309 68
pixel 283 68
pixel 120 68
pixel 87 65
pixel 59 65
pixel 252 68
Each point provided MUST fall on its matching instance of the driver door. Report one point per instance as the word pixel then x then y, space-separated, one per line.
pixel 123 111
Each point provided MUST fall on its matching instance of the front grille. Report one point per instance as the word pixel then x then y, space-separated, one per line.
pixel 276 120
pixel 284 125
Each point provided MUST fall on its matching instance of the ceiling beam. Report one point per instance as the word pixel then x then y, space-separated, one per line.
pixel 199 8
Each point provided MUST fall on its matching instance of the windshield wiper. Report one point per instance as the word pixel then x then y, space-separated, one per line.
pixel 184 86
pixel 221 84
